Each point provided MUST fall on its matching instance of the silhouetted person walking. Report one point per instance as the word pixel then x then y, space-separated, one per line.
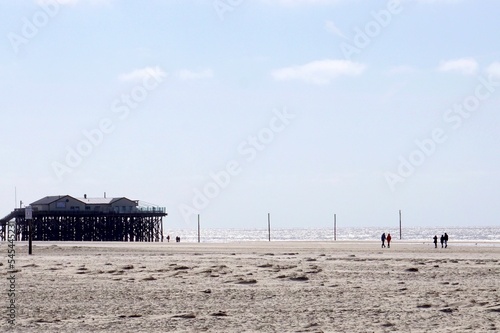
pixel 445 240
pixel 382 238
pixel 435 241
pixel 389 240
pixel 442 241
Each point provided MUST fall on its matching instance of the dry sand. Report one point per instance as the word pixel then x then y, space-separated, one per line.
pixel 255 287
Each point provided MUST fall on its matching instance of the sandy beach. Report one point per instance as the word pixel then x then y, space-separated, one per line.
pixel 253 287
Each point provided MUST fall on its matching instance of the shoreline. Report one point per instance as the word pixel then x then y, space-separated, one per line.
pixel 395 243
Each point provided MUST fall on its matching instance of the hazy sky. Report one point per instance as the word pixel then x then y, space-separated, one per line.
pixel 238 108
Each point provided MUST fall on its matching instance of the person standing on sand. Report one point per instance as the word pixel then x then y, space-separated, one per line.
pixel 389 240
pixel 383 239
pixel 445 240
pixel 442 241
pixel 435 241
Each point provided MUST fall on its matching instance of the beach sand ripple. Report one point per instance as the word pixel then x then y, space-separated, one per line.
pixel 256 287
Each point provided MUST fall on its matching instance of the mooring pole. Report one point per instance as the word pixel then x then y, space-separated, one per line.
pixel 28 215
pixel 30 226
pixel 198 228
pixel 335 227
pixel 400 233
pixel 269 225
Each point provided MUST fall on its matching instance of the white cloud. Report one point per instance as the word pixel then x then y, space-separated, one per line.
pixel 438 1
pixel 494 69
pixel 300 2
pixel 186 74
pixel 319 72
pixel 71 2
pixel 60 2
pixel 291 3
pixel 334 30
pixel 403 69
pixel 466 66
pixel 141 74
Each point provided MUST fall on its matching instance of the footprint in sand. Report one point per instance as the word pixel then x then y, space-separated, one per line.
pixel 185 316
pixel 220 313
pixel 299 278
pixel 249 281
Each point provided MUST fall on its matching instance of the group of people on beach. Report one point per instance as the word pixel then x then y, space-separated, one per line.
pixel 386 238
pixel 177 239
pixel 444 240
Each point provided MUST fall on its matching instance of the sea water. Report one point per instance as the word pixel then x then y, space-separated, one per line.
pixel 472 234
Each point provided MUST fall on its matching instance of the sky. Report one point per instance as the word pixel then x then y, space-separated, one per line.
pixel 233 109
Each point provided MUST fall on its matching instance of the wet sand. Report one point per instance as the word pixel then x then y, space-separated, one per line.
pixel 254 287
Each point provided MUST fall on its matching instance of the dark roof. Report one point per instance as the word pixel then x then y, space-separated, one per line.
pixel 49 199
pixel 88 201
pixel 122 198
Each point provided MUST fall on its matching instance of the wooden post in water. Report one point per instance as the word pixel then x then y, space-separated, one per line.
pixel 335 227
pixel 198 228
pixel 269 225
pixel 400 233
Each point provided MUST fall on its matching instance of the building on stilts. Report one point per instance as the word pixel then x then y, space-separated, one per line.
pixel 66 218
